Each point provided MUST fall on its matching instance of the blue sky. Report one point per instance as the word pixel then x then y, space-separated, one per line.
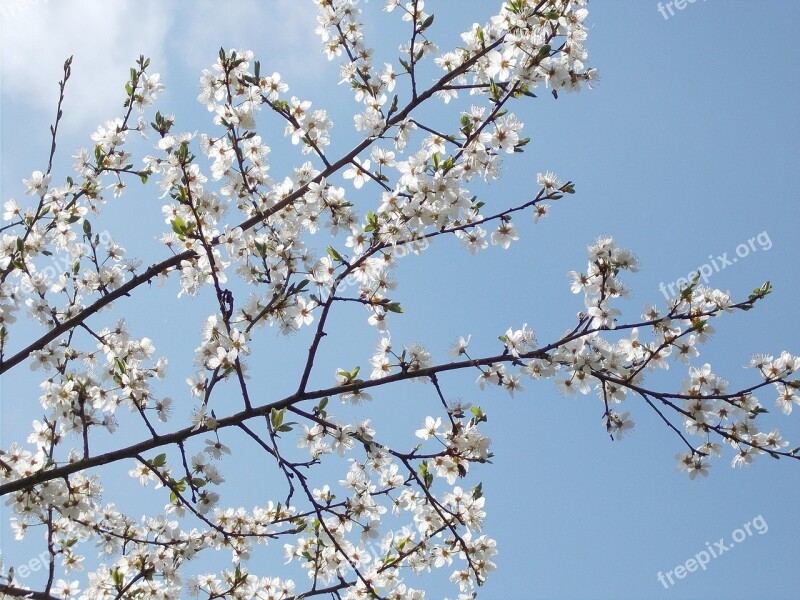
pixel 687 148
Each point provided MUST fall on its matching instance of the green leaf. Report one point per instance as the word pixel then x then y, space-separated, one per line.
pixel 523 142
pixel 87 228
pixel 543 52
pixel 426 23
pixel 495 91
pixel 159 461
pixel 348 376
pixel 334 254
pixel 183 151
pixel 477 491
pixel 760 292
pixel 276 417
pixel 300 286
pixel 179 227
pixel 372 222
pixel 393 307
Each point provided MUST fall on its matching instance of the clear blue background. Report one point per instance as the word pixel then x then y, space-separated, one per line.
pixel 687 147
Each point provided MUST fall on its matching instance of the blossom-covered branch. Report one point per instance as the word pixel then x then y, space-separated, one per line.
pixel 287 253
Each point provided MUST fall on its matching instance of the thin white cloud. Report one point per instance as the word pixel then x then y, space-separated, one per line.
pixel 105 39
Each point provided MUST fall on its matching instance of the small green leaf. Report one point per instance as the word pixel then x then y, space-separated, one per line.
pixel 183 151
pixel 477 491
pixel 334 254
pixel 543 52
pixel 393 307
pixel 372 222
pixel 494 90
pixel 179 227
pixel 276 417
